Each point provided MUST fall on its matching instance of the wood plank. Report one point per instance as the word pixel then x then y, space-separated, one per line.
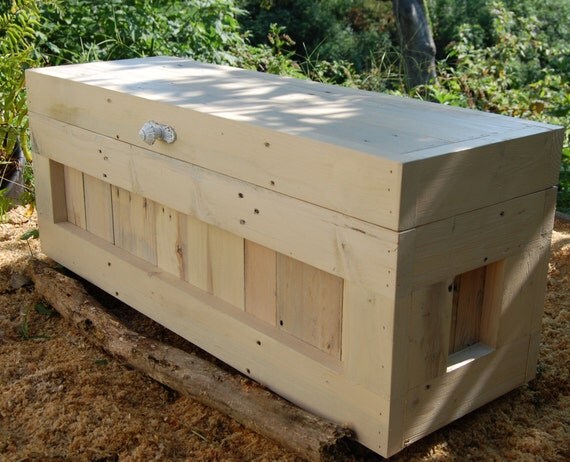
pixel 50 190
pixel 224 332
pixel 195 248
pixel 134 224
pixel 170 245
pixel 226 264
pixel 467 312
pixel 349 248
pixel 482 175
pixel 309 304
pixel 429 332
pixel 457 245
pixel 367 336
pixel 74 196
pixel 261 282
pixel 98 208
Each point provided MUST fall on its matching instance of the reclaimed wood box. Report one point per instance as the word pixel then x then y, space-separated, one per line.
pixel 377 260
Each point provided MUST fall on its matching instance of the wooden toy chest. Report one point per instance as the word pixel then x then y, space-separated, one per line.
pixel 377 260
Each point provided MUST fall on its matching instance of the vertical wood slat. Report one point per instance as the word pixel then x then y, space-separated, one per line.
pixel 98 208
pixel 195 242
pixel 50 189
pixel 134 224
pixel 367 334
pixel 468 297
pixel 170 252
pixel 309 304
pixel 74 196
pixel 429 332
pixel 261 282
pixel 226 266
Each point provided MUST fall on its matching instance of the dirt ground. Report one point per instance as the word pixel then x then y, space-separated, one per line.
pixel 64 400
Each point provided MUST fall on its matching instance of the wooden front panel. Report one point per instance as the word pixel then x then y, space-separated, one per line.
pixel 285 293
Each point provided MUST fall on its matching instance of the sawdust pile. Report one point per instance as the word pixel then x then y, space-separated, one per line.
pixel 64 400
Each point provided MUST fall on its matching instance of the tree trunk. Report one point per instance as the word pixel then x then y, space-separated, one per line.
pixel 416 42
pixel 251 405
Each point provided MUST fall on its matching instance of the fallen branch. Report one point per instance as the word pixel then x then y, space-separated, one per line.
pixel 199 379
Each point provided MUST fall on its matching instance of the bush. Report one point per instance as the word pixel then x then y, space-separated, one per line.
pixel 91 30
pixel 336 30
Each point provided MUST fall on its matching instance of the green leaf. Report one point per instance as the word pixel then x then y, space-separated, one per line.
pixel 31 234
pixel 44 310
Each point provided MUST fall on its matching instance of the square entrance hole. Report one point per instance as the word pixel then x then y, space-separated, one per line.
pixel 475 314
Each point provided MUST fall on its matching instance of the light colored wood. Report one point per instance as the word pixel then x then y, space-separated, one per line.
pixel 226 265
pixel 261 282
pixel 468 298
pixel 429 332
pixel 481 175
pixel 338 214
pixel 309 304
pixel 492 303
pixel 300 139
pixel 170 242
pixel 349 248
pixel 223 331
pixel 134 224
pixel 457 245
pixel 367 336
pixel 284 162
pixel 50 190
pixel 98 208
pixel 452 395
pixel 74 196
pixel 196 267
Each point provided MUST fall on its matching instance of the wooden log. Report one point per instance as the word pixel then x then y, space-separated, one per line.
pixel 238 397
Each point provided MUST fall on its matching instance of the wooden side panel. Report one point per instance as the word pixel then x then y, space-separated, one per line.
pixel 98 208
pixel 309 304
pixel 435 403
pixel 74 197
pixel 429 332
pixel 226 263
pixel 261 282
pixel 468 297
pixel 134 224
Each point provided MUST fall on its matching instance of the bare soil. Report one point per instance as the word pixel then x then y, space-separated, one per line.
pixel 62 399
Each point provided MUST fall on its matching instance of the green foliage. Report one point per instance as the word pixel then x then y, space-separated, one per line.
pixel 19 20
pixel 336 30
pixel 89 30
